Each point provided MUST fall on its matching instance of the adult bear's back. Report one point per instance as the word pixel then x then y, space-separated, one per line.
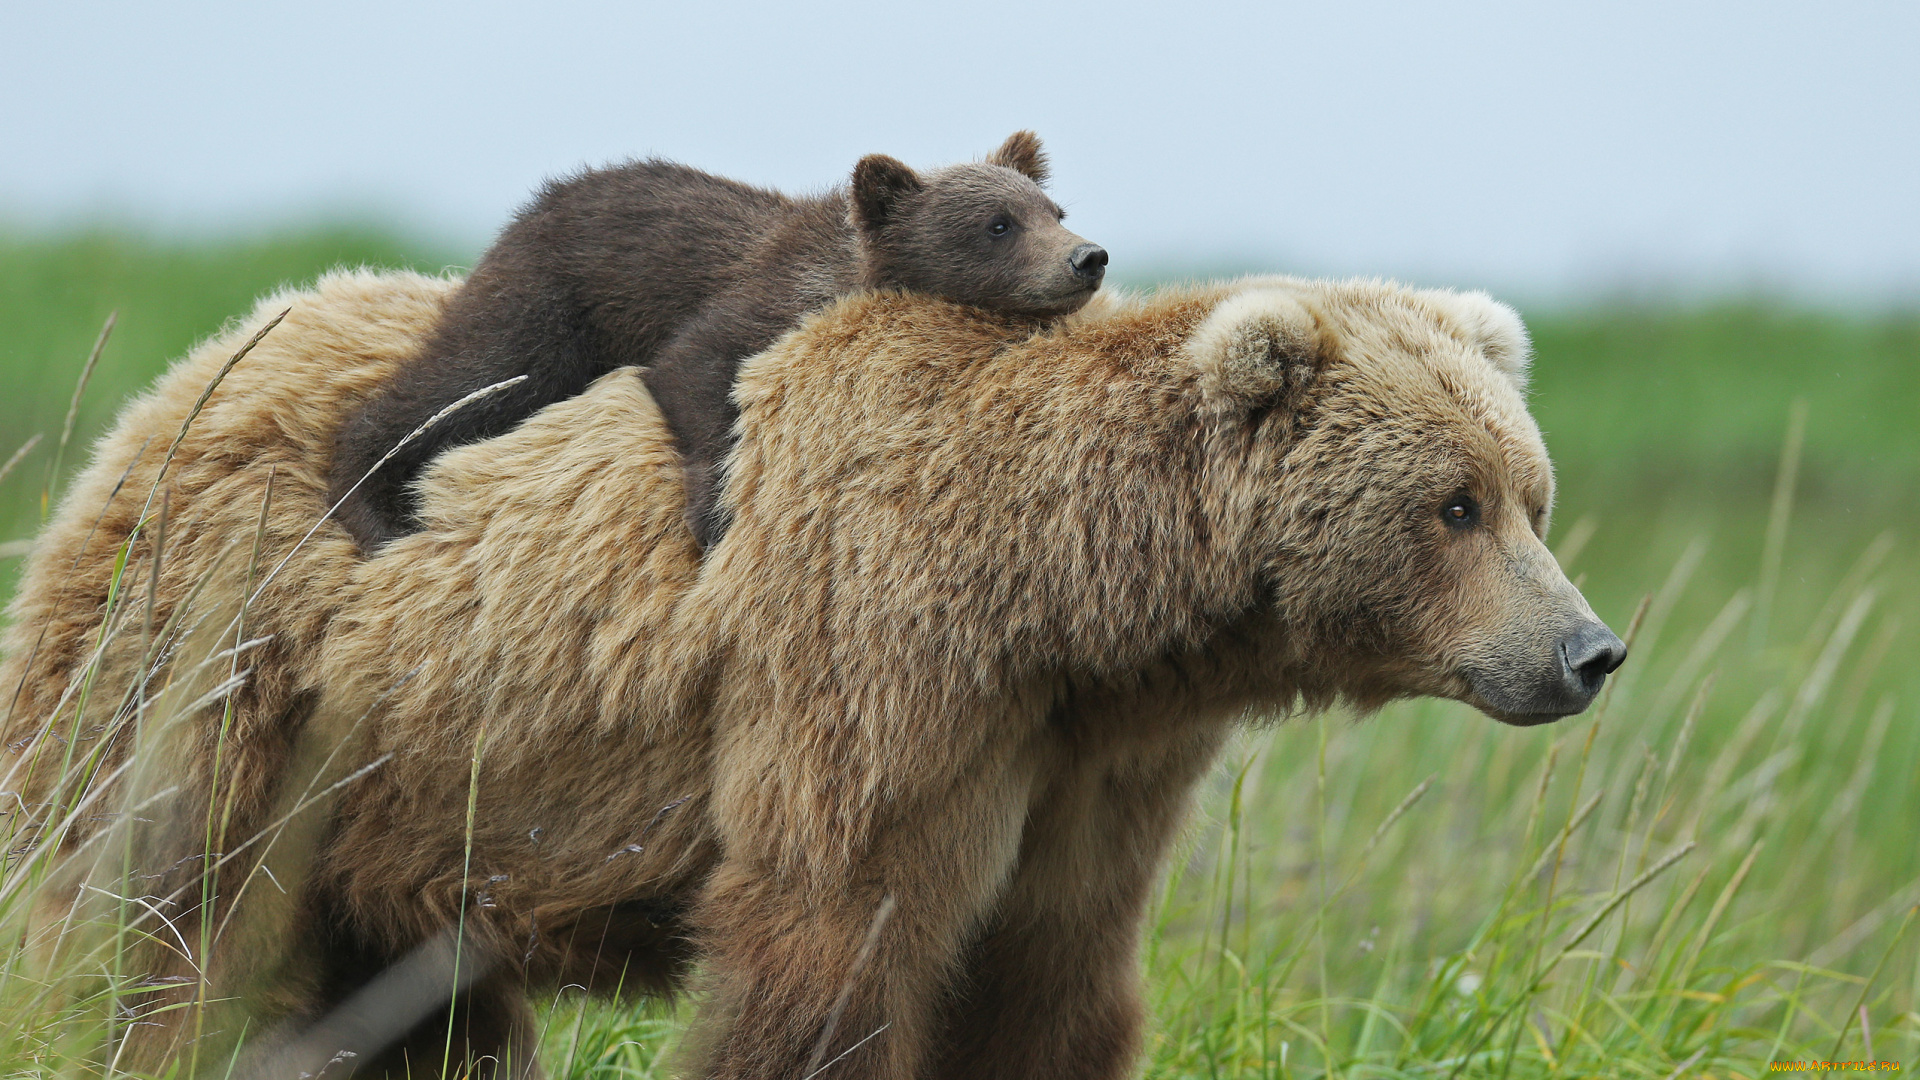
pixel 271 420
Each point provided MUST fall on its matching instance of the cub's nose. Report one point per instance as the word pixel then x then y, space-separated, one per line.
pixel 1089 262
pixel 1588 656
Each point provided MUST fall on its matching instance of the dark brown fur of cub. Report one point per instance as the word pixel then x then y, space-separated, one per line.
pixel 685 274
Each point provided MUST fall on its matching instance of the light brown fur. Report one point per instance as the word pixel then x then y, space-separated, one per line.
pixel 991 602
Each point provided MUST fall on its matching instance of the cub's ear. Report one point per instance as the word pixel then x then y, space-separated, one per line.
pixel 1021 153
pixel 1493 328
pixel 879 184
pixel 1259 347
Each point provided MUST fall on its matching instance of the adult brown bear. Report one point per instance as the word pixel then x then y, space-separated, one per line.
pixel 897 762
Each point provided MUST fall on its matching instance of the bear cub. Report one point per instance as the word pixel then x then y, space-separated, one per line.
pixel 685 274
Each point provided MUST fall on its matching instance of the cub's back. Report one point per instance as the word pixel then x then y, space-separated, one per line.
pixel 635 250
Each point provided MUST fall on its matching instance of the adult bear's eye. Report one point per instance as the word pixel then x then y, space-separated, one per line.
pixel 1461 512
pixel 1001 225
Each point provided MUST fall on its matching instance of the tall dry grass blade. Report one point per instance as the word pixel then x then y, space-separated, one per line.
pixel 1843 814
pixel 1586 928
pixel 1869 665
pixel 1681 1069
pixel 218 817
pixel 1394 815
pixel 308 797
pixel 113 621
pixel 466 876
pixel 1576 541
pixel 1536 809
pixel 1559 852
pixel 1705 647
pixel 193 414
pixel 1856 578
pixel 1681 741
pixel 1566 833
pixel 73 413
pixel 1669 922
pixel 1719 909
pixel 158 651
pixel 1320 856
pixel 25 449
pixel 1559 844
pixel 1650 620
pixel 1353 877
pixel 159 477
pixel 132 698
pixel 185 951
pixel 1814 687
pixel 841 1056
pixel 153 595
pixel 13 698
pixel 1628 639
pixel 1778 514
pixel 1442 982
pixel 425 426
pixel 1862 928
pixel 1721 771
pixel 1860 1004
pixel 868 947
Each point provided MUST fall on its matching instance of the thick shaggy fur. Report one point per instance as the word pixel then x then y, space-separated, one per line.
pixel 686 274
pixel 991 602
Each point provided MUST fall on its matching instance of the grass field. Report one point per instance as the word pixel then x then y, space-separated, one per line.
pixel 1712 871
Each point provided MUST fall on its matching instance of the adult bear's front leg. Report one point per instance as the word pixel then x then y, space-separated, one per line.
pixel 809 971
pixel 1052 989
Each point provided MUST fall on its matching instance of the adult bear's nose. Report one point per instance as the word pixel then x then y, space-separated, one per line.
pixel 1089 261
pixel 1588 656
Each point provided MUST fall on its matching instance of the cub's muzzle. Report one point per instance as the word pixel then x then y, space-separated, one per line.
pixel 1089 262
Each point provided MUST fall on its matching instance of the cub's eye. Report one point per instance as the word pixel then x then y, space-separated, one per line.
pixel 1001 225
pixel 1460 512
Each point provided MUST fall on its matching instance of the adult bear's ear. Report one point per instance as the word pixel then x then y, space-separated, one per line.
pixel 879 184
pixel 1491 327
pixel 1258 348
pixel 1021 153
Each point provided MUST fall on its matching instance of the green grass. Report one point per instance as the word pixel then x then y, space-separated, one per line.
pixel 55 294
pixel 1318 924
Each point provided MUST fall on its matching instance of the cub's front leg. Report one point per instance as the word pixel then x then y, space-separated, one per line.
pixel 691 380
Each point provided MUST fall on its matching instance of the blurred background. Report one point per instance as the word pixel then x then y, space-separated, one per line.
pixel 1708 212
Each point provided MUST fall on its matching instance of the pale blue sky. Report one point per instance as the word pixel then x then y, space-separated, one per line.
pixel 1543 150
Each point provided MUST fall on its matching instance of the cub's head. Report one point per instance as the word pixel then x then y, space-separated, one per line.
pixel 982 234
pixel 1405 537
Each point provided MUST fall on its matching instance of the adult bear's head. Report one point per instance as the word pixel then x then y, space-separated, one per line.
pixel 983 234
pixel 1409 517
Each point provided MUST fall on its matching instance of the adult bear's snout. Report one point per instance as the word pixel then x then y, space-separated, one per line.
pixel 1587 657
pixel 1549 679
